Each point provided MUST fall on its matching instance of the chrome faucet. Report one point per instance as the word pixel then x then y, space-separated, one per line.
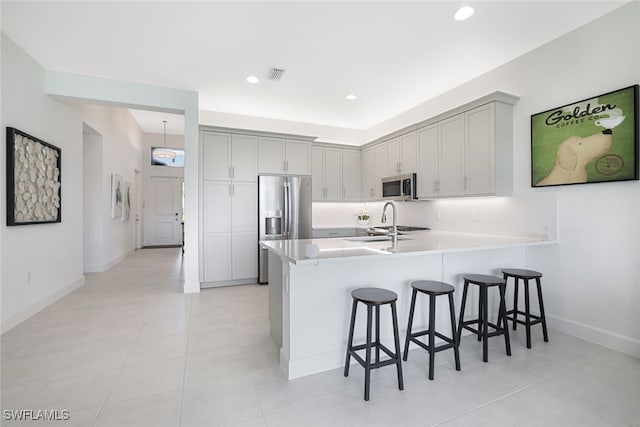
pixel 394 229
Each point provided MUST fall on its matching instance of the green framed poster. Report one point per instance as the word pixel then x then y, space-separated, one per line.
pixel 593 140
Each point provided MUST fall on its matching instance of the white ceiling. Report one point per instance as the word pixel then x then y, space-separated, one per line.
pixel 393 55
pixel 151 121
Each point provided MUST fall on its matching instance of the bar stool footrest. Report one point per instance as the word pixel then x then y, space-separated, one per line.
pixel 394 358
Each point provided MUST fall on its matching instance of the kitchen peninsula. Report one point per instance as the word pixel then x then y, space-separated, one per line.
pixel 309 298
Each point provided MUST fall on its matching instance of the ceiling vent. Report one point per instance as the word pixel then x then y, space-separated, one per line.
pixel 275 73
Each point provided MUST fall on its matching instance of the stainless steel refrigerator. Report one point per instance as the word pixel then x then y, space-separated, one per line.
pixel 284 212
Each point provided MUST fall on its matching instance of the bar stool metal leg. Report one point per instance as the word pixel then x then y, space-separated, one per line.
pixel 396 336
pixel 485 326
pixel 354 307
pixel 411 309
pixel 527 312
pixel 432 334
pixel 515 301
pixel 367 367
pixel 462 306
pixel 480 301
pixel 543 318
pixel 503 312
pixel 454 335
pixel 377 333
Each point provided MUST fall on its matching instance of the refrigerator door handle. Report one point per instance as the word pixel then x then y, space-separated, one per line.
pixel 285 214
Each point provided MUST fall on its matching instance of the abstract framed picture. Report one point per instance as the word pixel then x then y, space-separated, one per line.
pixel 589 141
pixel 126 201
pixel 34 187
pixel 117 187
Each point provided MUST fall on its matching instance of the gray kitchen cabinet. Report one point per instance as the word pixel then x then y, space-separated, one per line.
pixel 229 156
pixel 351 176
pixel 284 156
pixel 335 174
pixel 401 155
pixel 467 154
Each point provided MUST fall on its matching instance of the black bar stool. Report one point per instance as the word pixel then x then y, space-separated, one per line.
pixel 433 289
pixel 485 282
pixel 373 297
pixel 529 319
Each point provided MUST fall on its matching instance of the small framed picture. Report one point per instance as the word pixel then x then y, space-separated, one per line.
pixel 593 140
pixel 34 194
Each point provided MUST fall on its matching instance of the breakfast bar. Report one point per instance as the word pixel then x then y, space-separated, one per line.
pixel 309 302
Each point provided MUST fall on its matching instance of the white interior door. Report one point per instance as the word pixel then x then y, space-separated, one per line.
pixel 164 211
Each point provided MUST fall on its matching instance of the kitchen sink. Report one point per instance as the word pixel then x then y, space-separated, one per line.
pixel 375 238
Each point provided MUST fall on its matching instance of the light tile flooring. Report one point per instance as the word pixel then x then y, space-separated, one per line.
pixel 127 349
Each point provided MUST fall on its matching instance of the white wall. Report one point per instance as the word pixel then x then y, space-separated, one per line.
pixel 52 253
pixel 146 97
pixel 591 280
pixel 92 230
pixel 323 133
pixel 122 154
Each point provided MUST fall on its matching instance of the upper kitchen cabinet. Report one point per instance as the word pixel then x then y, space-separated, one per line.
pixel 229 156
pixel 368 174
pixel 284 156
pixel 469 153
pixel 351 177
pixel 401 155
pixel 335 174
pixel 374 168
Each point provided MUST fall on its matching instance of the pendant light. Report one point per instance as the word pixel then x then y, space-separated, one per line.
pixel 164 153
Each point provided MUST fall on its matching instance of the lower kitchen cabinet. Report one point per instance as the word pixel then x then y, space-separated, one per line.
pixel 244 256
pixel 217 257
pixel 230 243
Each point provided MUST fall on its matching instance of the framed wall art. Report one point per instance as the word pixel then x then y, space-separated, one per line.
pixel 126 201
pixel 34 194
pixel 117 201
pixel 593 140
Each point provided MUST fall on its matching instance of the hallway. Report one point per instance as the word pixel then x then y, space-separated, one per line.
pixel 128 349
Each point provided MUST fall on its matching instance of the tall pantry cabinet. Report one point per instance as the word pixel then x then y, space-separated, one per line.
pixel 230 210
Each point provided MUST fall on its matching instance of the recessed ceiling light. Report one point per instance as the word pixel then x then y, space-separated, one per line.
pixel 463 13
pixel 252 79
pixel 350 97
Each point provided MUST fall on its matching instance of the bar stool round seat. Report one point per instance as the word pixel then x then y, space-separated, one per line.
pixel 433 289
pixel 374 295
pixel 484 282
pixel 373 298
pixel 519 274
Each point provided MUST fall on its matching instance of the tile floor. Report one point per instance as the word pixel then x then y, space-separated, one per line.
pixel 127 349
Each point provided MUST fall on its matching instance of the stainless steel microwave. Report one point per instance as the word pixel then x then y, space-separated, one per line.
pixel 401 187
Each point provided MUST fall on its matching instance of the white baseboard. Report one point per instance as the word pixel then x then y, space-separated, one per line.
pixel 23 315
pixel 251 281
pixel 605 338
pixel 108 265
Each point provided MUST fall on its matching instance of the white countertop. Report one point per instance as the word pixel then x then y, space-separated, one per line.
pixel 419 243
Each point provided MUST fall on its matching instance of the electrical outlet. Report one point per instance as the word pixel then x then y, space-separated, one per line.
pixel 474 216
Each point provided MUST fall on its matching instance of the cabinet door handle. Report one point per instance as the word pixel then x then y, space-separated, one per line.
pixel 233 171
pixel 466 183
pixel 230 173
pixel 230 191
pixel 399 167
pixel 344 194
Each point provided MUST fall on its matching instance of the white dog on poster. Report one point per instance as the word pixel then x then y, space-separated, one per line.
pixel 573 156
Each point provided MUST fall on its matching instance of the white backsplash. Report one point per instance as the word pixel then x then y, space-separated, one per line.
pixel 530 214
